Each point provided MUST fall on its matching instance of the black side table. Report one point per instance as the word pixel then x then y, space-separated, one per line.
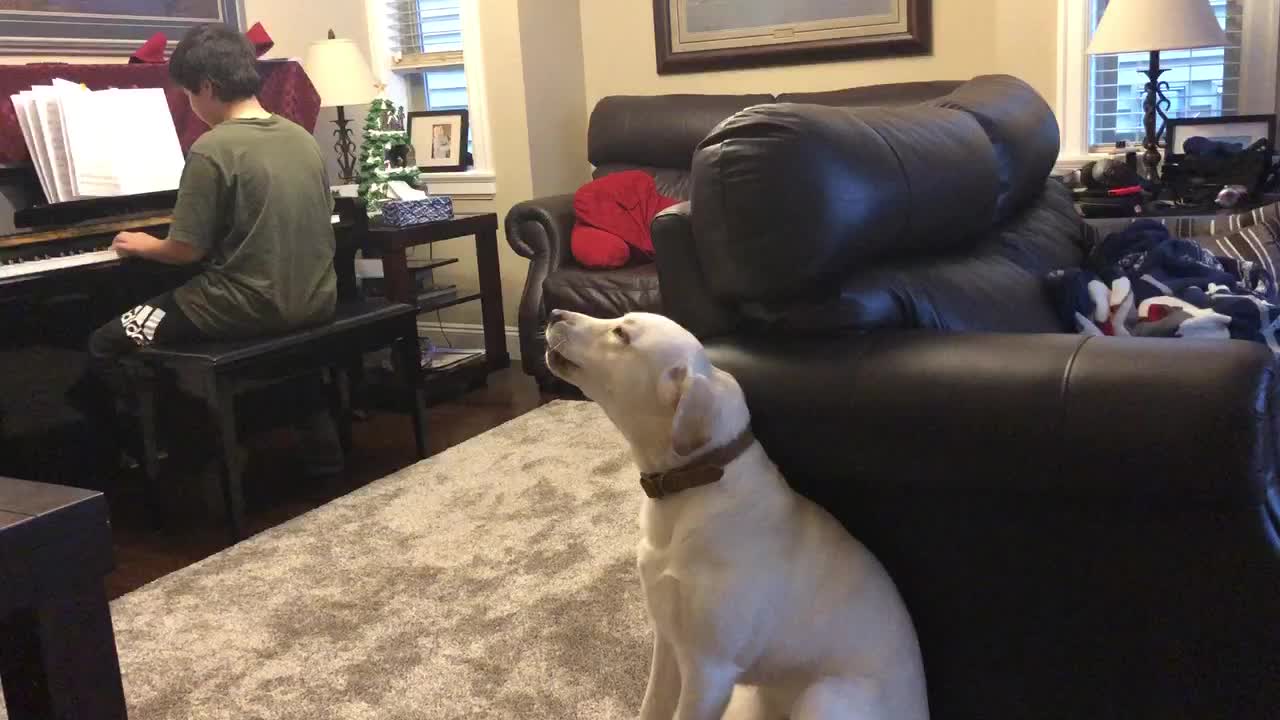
pixel 392 244
pixel 57 649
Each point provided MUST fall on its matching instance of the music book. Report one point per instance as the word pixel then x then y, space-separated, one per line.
pixel 99 143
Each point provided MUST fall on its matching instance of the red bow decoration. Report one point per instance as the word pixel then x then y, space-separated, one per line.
pixel 152 51
pixel 262 42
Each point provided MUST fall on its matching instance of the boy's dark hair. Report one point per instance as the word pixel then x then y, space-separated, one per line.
pixel 219 54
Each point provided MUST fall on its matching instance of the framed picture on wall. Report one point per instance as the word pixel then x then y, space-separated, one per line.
pixel 117 27
pixel 439 140
pixel 701 35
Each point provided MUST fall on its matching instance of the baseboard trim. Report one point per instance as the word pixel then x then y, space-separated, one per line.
pixel 465 335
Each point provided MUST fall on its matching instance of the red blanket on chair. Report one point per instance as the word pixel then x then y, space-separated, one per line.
pixel 613 216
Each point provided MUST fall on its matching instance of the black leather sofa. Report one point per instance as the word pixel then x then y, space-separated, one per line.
pixel 657 134
pixel 1082 528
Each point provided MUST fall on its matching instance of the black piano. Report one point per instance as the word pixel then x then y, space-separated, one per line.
pixel 58 282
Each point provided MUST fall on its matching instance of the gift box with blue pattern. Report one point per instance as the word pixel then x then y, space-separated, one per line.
pixel 400 213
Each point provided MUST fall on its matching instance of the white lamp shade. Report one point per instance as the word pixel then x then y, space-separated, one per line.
pixel 1144 25
pixel 339 72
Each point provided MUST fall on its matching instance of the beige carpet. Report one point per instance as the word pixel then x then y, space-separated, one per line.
pixel 495 580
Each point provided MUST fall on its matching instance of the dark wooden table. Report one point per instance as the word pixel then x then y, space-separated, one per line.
pixel 392 244
pixel 57 649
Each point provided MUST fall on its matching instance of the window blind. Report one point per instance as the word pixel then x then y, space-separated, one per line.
pixel 426 41
pixel 1202 83
pixel 425 33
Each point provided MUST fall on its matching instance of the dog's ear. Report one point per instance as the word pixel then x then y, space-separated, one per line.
pixel 693 398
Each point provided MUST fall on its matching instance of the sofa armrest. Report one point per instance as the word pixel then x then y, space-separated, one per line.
pixel 685 295
pixel 539 230
pixel 1104 506
pixel 1141 419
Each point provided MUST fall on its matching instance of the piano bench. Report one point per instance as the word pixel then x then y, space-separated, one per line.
pixel 227 369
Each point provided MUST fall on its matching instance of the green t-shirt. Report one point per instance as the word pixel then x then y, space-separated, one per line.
pixel 255 197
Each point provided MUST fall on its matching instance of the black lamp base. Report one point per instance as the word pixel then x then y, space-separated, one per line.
pixel 345 147
pixel 1154 107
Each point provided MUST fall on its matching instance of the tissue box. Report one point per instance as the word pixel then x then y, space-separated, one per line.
pixel 399 213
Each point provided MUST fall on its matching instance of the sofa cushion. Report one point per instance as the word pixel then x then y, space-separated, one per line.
pixel 997 286
pixel 1021 127
pixel 786 197
pixel 888 95
pixel 609 293
pixel 657 131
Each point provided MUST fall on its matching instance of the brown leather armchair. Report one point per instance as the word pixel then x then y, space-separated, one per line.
pixel 656 134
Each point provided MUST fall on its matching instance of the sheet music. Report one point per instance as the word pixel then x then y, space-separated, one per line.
pixel 123 141
pixel 63 88
pixel 99 143
pixel 23 110
pixel 153 138
pixel 38 150
pixel 88 142
pixel 49 113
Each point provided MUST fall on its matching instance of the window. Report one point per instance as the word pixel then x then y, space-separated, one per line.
pixel 427 45
pixel 1204 82
pixel 1099 99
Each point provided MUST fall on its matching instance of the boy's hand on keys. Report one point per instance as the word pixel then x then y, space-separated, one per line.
pixel 134 244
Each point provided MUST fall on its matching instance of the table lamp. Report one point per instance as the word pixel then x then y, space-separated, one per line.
pixel 1152 26
pixel 342 77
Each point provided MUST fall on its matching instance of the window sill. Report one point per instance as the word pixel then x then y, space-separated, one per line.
pixel 1068 163
pixel 467 185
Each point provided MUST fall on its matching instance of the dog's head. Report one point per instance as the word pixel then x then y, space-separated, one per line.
pixel 653 379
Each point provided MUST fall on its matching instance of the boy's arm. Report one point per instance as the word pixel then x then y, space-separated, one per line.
pixel 197 215
pixel 171 252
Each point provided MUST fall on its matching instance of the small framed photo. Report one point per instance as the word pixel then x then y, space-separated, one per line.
pixel 439 140
pixel 1243 130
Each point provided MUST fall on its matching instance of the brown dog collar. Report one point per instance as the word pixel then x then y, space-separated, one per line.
pixel 704 470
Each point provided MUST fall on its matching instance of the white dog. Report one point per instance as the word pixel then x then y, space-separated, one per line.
pixel 747 583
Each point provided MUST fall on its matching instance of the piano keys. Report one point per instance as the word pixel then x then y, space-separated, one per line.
pixel 34 254
pixel 68 247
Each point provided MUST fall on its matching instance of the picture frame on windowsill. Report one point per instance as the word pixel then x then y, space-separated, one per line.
pixel 1242 129
pixel 439 140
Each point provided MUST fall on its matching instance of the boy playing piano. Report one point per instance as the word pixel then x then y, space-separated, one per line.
pixel 253 209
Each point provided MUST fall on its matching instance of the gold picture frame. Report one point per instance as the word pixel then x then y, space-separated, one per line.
pixel 702 35
pixel 43 27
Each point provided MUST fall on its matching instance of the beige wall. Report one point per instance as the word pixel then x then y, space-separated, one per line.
pixel 555 84
pixel 970 37
pixel 509 135
pixel 1027 43
pixel 295 25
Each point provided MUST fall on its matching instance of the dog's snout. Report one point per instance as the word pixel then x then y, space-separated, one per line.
pixel 556 316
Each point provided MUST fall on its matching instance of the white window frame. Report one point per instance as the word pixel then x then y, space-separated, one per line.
pixel 480 182
pixel 1258 62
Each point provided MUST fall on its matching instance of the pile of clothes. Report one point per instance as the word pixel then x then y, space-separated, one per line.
pixel 1144 281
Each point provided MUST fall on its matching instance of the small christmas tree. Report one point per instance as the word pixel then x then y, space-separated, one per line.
pixel 383 130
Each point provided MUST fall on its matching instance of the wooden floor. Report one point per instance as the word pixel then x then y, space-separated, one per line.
pixel 275 492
